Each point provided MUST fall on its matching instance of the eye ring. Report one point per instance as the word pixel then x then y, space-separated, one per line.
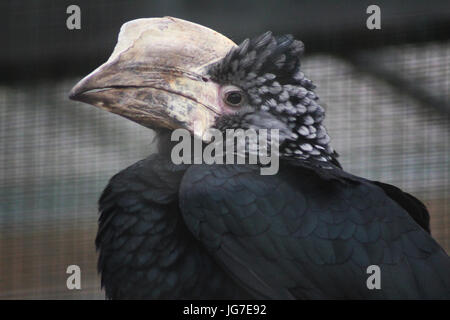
pixel 233 96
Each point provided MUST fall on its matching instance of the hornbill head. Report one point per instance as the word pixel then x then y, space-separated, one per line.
pixel 170 73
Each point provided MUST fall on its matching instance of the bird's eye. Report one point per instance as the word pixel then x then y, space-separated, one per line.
pixel 233 96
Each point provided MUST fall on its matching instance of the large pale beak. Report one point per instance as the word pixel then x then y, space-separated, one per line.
pixel 156 75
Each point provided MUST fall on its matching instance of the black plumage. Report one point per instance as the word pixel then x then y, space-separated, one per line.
pixel 145 249
pixel 225 231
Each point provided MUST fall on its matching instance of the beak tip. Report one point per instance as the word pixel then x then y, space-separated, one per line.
pixel 72 94
pixel 77 90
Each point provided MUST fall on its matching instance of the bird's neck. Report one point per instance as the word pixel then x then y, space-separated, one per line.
pixel 310 141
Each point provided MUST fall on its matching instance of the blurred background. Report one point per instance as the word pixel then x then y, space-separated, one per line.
pixel 386 93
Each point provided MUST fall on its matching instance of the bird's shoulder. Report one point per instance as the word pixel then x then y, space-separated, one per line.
pixel 297 189
pixel 331 172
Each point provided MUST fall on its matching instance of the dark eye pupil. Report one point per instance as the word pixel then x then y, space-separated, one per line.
pixel 234 98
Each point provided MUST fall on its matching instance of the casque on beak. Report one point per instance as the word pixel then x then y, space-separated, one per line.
pixel 156 75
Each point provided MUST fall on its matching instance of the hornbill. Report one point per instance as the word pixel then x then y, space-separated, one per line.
pixel 212 231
